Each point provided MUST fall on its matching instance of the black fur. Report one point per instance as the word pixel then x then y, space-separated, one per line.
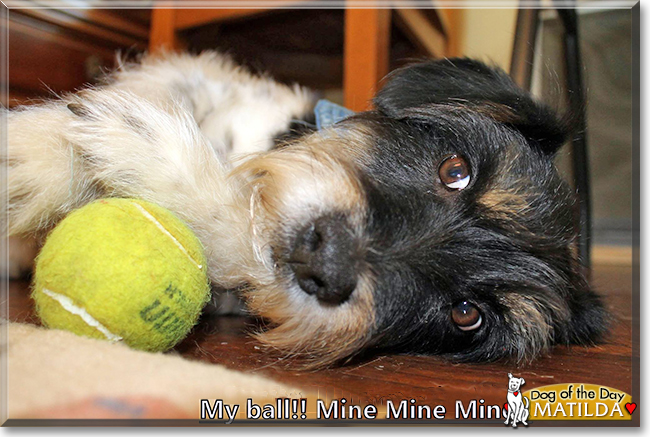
pixel 465 81
pixel 296 129
pixel 432 247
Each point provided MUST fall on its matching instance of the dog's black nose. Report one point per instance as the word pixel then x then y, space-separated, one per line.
pixel 324 260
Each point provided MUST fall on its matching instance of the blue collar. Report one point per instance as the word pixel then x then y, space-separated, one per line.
pixel 328 113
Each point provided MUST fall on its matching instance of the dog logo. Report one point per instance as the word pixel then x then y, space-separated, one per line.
pixel 516 411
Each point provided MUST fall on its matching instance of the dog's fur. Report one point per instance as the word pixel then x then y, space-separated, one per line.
pixel 345 239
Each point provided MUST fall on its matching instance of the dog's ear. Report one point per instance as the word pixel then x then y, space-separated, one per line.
pixel 509 375
pixel 469 84
pixel 522 381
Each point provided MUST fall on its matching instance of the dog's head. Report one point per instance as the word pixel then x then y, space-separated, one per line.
pixel 514 383
pixel 436 223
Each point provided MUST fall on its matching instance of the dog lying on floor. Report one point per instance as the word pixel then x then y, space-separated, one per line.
pixel 435 223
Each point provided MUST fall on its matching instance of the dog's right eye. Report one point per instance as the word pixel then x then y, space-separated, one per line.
pixel 454 172
pixel 466 316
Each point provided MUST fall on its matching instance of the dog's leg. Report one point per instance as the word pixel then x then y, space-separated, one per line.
pixel 517 414
pixel 39 160
pixel 525 413
pixel 511 417
pixel 110 143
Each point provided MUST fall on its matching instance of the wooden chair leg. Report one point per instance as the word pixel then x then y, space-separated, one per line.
pixel 454 19
pixel 367 44
pixel 162 35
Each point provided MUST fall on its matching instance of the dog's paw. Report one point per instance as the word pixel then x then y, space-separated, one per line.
pixel 139 148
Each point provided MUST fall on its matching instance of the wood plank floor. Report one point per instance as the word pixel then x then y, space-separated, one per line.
pixel 428 380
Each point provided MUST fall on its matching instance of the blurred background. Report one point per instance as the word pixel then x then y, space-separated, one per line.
pixel 345 53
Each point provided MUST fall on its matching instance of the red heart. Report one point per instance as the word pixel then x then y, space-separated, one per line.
pixel 516 393
pixel 630 407
pixel 505 406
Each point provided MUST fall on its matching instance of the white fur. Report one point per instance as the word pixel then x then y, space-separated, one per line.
pixel 169 131
pixel 58 161
pixel 239 113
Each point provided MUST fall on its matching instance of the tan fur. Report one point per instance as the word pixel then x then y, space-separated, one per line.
pixel 532 322
pixel 505 204
pixel 291 186
pixel 510 203
pixel 315 334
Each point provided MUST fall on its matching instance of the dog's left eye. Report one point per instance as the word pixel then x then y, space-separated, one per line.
pixel 454 172
pixel 466 316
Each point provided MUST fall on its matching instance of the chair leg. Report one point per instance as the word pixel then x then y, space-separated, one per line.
pixel 575 85
pixel 523 52
pixel 162 35
pixel 367 41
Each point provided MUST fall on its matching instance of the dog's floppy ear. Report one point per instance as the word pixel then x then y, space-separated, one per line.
pixel 472 85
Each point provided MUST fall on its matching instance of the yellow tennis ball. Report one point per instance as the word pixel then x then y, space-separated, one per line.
pixel 122 270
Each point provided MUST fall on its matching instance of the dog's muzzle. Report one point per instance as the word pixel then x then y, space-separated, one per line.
pixel 324 260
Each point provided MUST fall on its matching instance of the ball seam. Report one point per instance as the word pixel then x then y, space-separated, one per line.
pixel 160 226
pixel 69 306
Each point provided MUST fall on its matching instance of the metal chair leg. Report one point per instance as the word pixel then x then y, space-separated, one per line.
pixel 521 72
pixel 523 51
pixel 575 88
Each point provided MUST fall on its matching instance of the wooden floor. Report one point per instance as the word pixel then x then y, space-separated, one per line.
pixel 429 380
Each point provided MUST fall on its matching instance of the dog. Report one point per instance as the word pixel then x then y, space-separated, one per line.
pixel 435 223
pixel 516 411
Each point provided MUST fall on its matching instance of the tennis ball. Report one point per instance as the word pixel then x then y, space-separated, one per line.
pixel 122 270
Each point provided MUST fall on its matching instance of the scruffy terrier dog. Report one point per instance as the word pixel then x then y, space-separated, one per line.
pixel 435 223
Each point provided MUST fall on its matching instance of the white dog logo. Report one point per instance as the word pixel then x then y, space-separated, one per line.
pixel 515 408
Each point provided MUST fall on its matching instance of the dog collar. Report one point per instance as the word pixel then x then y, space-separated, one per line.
pixel 514 392
pixel 328 113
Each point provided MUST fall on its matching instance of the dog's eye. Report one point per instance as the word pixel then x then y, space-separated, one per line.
pixel 454 172
pixel 466 316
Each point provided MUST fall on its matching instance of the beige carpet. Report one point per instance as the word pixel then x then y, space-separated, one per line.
pixel 56 374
